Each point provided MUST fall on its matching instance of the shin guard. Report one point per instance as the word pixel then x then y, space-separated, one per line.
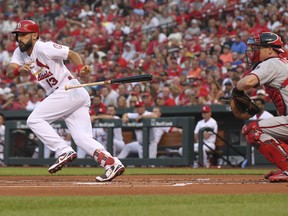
pixel 273 150
pixel 104 158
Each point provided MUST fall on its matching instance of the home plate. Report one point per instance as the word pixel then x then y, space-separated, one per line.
pixel 203 179
pixel 181 184
pixel 93 183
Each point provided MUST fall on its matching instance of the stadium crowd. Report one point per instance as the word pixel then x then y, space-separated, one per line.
pixel 195 49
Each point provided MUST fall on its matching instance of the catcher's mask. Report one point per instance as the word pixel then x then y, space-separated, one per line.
pixel 26 26
pixel 258 41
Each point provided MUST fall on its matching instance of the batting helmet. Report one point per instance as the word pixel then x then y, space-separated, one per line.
pixel 28 26
pixel 266 39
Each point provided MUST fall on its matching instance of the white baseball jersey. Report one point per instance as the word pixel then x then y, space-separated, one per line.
pixel 49 69
pixel 100 135
pixel 264 115
pixel 2 133
pixel 155 139
pixel 118 140
pixel 273 73
pixel 71 106
pixel 117 132
pixel 2 138
pixel 138 132
pixel 210 123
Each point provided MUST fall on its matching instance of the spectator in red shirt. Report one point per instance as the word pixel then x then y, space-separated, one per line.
pixel 173 68
pixel 175 93
pixel 260 26
pixel 97 104
pixel 145 63
pixel 181 16
pixel 61 21
pixel 153 44
pixel 113 13
pixel 168 100
pixel 11 103
pixel 240 23
pixel 138 7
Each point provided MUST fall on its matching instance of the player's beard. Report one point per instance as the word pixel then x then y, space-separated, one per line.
pixel 24 47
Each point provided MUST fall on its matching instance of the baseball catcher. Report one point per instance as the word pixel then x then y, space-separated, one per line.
pixel 242 106
pixel 270 68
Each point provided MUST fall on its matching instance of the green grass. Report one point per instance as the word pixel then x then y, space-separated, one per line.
pixel 198 205
pixel 70 171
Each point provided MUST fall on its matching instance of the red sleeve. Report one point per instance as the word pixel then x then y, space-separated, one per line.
pixel 170 102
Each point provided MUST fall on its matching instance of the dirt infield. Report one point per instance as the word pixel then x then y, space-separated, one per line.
pixel 137 185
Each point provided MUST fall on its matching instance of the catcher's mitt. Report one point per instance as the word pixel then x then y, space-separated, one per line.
pixel 242 106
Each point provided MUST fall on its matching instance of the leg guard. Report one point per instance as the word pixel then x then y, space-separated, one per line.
pixel 273 150
pixel 252 132
pixel 104 158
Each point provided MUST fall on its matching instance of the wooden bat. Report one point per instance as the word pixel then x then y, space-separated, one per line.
pixel 129 79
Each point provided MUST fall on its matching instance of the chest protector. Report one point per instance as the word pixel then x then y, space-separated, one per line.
pixel 277 99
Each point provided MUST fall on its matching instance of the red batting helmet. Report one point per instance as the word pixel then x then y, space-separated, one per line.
pixel 28 26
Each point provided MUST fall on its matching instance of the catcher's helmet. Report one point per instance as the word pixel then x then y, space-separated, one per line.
pixel 266 39
pixel 28 26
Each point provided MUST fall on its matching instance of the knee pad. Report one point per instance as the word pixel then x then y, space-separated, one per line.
pixel 252 132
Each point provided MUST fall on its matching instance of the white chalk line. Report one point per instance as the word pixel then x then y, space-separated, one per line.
pixel 137 184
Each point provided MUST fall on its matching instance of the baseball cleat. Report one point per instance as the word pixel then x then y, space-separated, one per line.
pixel 112 172
pixel 271 173
pixel 62 160
pixel 282 177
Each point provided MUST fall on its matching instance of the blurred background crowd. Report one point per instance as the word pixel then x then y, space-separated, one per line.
pixel 195 49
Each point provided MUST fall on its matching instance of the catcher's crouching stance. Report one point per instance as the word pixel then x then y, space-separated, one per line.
pixel 274 150
pixel 269 69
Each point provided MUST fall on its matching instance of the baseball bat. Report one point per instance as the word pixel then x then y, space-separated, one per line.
pixel 129 79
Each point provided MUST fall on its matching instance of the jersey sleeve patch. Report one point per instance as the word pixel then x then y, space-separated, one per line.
pixel 57 46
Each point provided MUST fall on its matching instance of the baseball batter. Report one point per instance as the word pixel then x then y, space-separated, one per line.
pixel 269 136
pixel 44 60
